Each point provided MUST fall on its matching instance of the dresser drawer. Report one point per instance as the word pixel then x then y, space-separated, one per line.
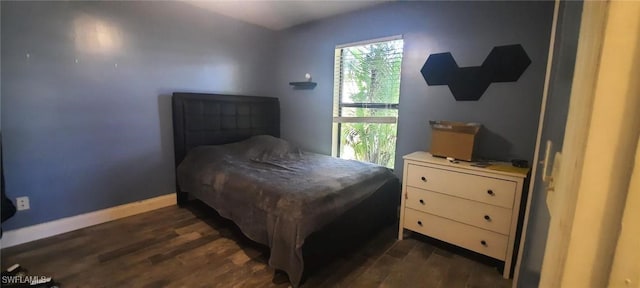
pixel 483 189
pixel 479 240
pixel 494 218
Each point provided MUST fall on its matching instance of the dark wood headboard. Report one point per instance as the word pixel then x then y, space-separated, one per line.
pixel 215 119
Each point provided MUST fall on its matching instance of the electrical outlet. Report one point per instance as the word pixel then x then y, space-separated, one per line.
pixel 22 203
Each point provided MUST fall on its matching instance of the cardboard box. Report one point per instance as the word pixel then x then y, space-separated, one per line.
pixel 453 139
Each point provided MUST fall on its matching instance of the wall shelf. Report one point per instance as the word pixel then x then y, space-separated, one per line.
pixel 303 85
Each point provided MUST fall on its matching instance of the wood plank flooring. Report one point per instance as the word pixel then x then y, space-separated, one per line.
pixel 192 247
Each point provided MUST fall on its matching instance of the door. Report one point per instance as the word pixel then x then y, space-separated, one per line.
pixel 601 135
pixel 625 271
pixel 553 130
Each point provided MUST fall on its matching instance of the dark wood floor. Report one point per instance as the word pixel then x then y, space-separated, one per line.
pixel 176 247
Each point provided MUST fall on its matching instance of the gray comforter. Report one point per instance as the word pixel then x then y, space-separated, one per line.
pixel 277 194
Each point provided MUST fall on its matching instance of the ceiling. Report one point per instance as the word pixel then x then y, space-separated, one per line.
pixel 279 14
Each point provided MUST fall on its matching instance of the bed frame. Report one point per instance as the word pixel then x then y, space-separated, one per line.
pixel 214 119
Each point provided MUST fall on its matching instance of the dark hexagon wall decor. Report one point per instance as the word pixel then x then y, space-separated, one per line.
pixel 439 69
pixel 503 64
pixel 506 63
pixel 469 83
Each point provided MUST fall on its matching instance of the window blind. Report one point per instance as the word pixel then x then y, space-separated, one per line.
pixel 367 81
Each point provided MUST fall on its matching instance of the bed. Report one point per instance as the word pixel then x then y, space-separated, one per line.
pixel 228 154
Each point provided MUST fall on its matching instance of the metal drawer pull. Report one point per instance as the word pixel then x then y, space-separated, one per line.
pixel 421 201
pixel 484 243
pixel 420 223
pixel 424 179
pixel 490 192
pixel 487 217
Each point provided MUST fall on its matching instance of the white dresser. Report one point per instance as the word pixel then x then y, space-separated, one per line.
pixel 471 207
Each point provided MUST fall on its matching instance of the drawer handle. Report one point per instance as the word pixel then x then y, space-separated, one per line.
pixel 424 179
pixel 420 223
pixel 484 243
pixel 487 217
pixel 421 201
pixel 490 192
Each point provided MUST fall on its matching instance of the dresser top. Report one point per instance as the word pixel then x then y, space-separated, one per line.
pixel 501 168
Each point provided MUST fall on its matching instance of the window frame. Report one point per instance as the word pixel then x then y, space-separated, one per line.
pixel 337 95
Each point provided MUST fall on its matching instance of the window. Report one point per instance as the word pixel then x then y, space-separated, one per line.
pixel 366 96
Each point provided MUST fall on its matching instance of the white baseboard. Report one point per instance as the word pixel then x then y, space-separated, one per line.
pixel 64 225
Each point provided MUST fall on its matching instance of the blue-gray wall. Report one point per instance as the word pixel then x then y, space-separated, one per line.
pixel 83 136
pixel 87 135
pixel 469 30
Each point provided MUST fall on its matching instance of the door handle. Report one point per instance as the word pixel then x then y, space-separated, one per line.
pixel 546 163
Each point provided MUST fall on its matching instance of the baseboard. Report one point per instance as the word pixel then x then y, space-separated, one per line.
pixel 64 225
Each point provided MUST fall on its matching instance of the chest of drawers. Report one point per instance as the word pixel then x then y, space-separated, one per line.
pixel 470 207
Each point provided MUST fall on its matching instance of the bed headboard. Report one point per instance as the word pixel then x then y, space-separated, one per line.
pixel 215 119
